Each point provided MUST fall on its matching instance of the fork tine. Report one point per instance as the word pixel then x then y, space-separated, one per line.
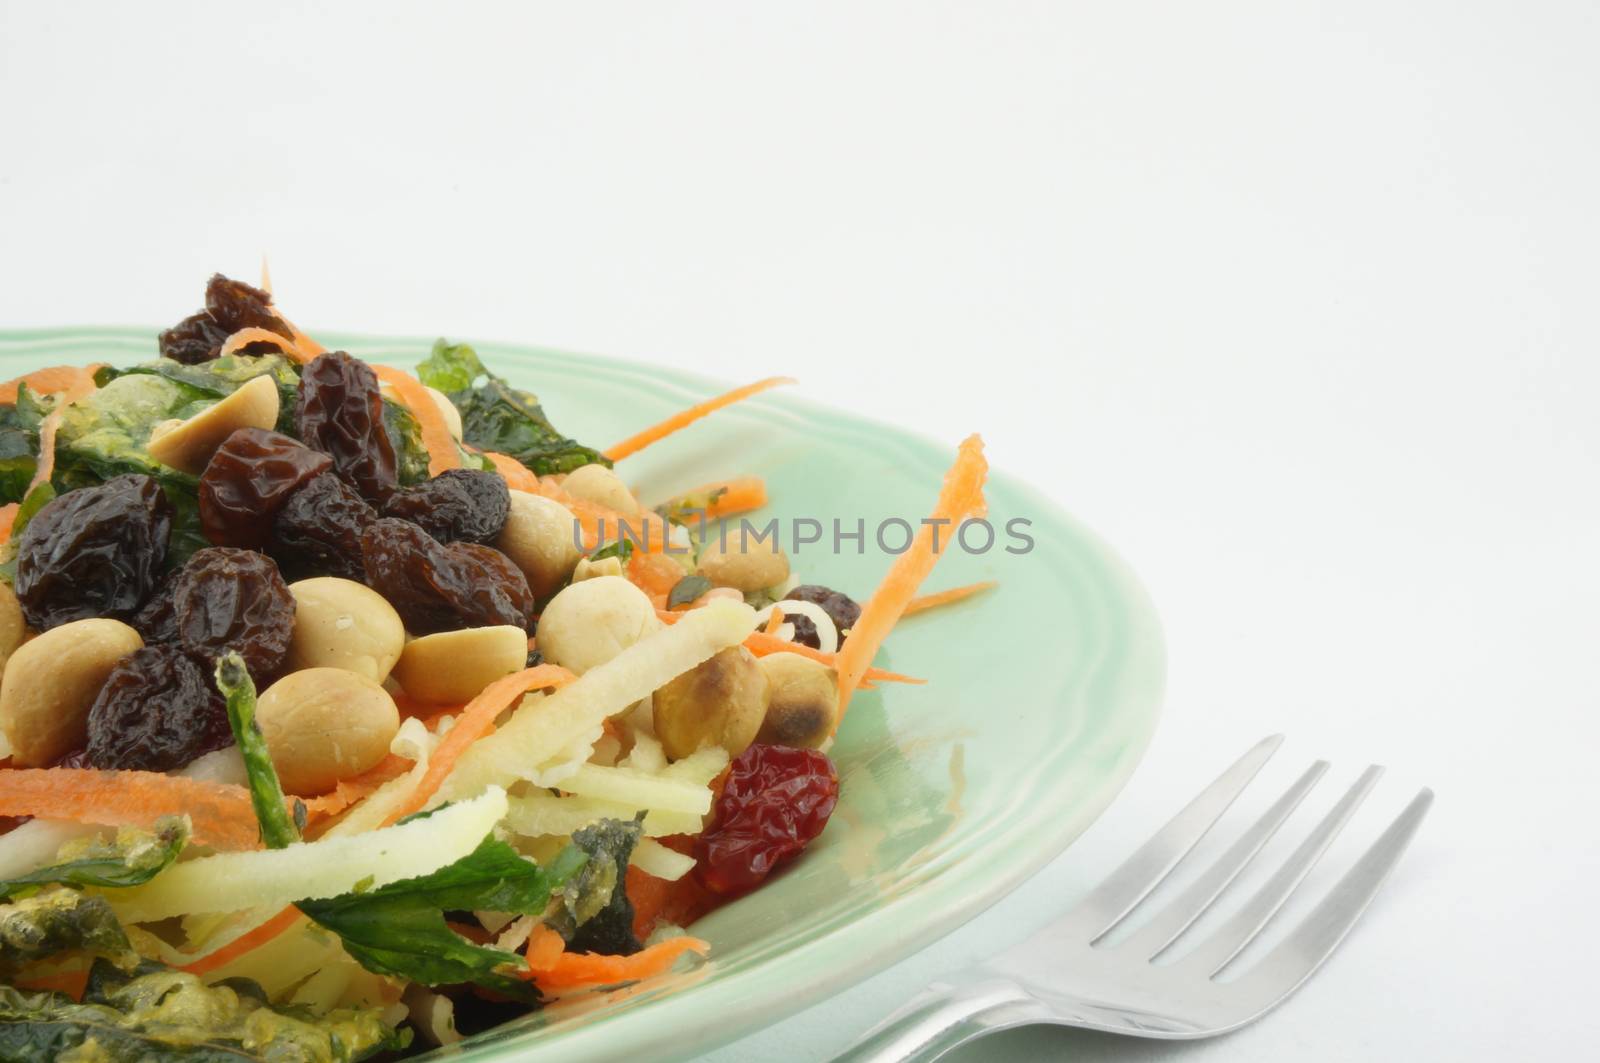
pixel 1294 959
pixel 1107 904
pixel 1241 928
pixel 1150 939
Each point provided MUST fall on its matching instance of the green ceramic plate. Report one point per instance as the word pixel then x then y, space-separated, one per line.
pixel 1041 697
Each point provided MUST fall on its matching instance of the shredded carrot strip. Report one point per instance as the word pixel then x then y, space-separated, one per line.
pixel 569 969
pixel 774 622
pixel 220 814
pixel 442 452
pixel 246 942
pixel 544 948
pixel 635 443
pixel 954 594
pixel 760 643
pixel 473 723
pixel 960 498
pixel 49 380
pixel 246 336
pixel 723 498
pixel 72 981
pixel 69 393
pixel 349 791
pixel 8 520
pixel 655 574
pixel 518 476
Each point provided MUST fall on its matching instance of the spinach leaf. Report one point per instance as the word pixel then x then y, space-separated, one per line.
pixel 622 550
pixel 59 919
pixel 687 590
pixel 221 377
pixel 595 913
pixel 278 827
pixel 158 1015
pixel 405 436
pixel 496 416
pixel 133 857
pixel 399 929
pixel 19 443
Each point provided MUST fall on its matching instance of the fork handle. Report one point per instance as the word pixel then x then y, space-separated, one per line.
pixel 943 1017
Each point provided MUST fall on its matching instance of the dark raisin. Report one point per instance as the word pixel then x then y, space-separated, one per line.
pixel 230 306
pixel 158 710
pixel 226 599
pixel 318 531
pixel 250 478
pixel 805 630
pixel 776 800
pixel 535 659
pixel 841 608
pixel 155 621
pixel 340 412
pixel 96 551
pixel 458 505
pixel 438 587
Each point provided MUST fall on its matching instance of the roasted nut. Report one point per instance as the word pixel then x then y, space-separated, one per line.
pixel 323 725
pixel 339 623
pixel 13 629
pixel 188 445
pixel 538 538
pixel 742 564
pixel 720 701
pixel 802 701
pixel 598 484
pixel 454 666
pixel 591 622
pixel 51 682
pixel 591 569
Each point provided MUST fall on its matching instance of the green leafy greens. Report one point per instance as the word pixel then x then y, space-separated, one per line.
pixel 496 416
pixel 595 914
pixel 687 590
pixel 58 919
pixel 399 929
pixel 19 443
pixel 133 857
pixel 155 1015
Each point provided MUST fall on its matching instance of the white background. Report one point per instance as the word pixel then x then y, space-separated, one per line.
pixel 1295 303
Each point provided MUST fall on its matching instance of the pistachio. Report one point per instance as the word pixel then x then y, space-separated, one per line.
pixel 339 623
pixel 538 538
pixel 188 445
pixel 323 725
pixel 452 667
pixel 803 701
pixel 720 701
pixel 50 683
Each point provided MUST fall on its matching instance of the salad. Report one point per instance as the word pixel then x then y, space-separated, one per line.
pixel 347 710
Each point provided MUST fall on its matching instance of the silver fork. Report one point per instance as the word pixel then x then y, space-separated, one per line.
pixel 1068 975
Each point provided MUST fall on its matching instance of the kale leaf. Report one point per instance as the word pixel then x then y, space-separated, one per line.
pixel 59 919
pixel 595 913
pixel 134 856
pixel 157 1015
pixel 19 443
pixel 399 929
pixel 498 417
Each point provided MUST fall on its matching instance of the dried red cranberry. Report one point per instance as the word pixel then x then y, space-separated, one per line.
pixel 227 599
pixel 318 531
pixel 249 479
pixel 340 412
pixel 158 710
pixel 458 505
pixel 841 608
pixel 437 587
pixel 230 306
pixel 96 551
pixel 776 801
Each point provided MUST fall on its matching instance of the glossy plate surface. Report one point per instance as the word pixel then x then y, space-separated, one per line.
pixel 1041 696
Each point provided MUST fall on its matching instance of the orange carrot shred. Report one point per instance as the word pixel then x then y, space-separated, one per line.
pixel 249 941
pixel 635 443
pixel 220 814
pixel 544 948
pixel 246 336
pixel 722 498
pixel 476 720
pixel 49 380
pixel 960 498
pixel 954 594
pixel 774 622
pixel 8 520
pixel 569 969
pixel 436 437
pixel 518 476
pixel 760 643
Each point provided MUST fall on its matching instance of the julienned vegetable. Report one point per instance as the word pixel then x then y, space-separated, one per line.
pixel 526 723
